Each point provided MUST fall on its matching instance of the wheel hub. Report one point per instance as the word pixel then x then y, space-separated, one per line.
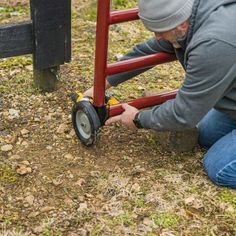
pixel 83 124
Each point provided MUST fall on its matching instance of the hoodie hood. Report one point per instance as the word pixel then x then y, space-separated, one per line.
pixel 202 10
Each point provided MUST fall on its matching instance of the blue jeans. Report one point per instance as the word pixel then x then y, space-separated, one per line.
pixel 217 133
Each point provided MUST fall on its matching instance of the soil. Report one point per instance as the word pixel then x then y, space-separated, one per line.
pixel 50 184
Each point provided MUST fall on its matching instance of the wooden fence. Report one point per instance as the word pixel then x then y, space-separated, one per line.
pixel 47 36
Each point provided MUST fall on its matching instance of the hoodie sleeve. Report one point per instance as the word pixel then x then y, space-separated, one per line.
pixel 150 46
pixel 210 71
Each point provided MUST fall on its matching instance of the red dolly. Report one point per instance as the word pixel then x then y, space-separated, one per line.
pixel 89 115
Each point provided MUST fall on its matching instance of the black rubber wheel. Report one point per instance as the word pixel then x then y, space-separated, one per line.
pixel 86 122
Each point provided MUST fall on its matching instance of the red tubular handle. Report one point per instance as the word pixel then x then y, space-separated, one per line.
pixel 144 102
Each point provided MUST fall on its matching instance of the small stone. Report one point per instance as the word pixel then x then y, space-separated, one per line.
pixel 68 137
pixel 135 187
pixel 33 214
pixel 81 198
pixel 70 176
pixel 48 118
pixel 189 200
pixel 10 139
pixel 141 88
pixel 68 202
pixel 24 143
pixel 49 147
pixel 14 113
pixel 57 182
pixel 80 182
pixel 63 128
pixel 147 221
pixel 29 68
pixel 47 209
pixel 55 137
pixel 88 195
pixel 24 132
pixel 82 207
pixel 6 148
pixel 23 170
pixel 68 156
pixel 30 199
pixel 15 13
pixel 38 229
pixel 118 56
pixel 72 133
pixel 15 158
pixel 25 163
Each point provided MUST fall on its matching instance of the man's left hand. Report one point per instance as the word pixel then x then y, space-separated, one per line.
pixel 126 117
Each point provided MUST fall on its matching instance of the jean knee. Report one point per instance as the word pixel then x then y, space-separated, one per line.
pixel 226 176
pixel 210 168
pixel 203 136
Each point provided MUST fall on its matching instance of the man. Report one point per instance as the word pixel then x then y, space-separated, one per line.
pixel 202 35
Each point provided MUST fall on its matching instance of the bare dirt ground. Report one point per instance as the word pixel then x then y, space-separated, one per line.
pixel 125 185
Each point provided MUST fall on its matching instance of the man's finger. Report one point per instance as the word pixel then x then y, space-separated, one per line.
pixel 125 106
pixel 113 119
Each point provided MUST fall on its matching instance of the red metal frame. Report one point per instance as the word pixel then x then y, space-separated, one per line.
pixel 105 18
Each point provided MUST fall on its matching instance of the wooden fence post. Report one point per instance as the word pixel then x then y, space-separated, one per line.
pixel 51 23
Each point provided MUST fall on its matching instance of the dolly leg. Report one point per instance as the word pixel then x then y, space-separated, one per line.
pixel 103 18
pixel 87 116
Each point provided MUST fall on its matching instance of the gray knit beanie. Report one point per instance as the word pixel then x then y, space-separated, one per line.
pixel 164 15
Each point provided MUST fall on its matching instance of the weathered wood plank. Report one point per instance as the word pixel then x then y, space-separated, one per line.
pixel 68 31
pixel 52 29
pixel 16 39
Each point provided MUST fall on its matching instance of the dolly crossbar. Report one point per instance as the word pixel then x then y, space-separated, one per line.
pixel 105 18
pixel 89 115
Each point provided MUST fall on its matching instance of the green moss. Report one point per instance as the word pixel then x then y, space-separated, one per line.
pixel 2 89
pixel 165 219
pixel 10 9
pixel 97 230
pixel 49 230
pixel 228 197
pixel 7 175
pixel 140 203
pixel 15 62
pixel 124 219
pixel 124 3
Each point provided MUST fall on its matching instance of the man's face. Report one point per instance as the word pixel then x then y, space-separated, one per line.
pixel 173 36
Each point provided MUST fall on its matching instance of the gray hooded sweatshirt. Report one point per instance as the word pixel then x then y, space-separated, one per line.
pixel 208 55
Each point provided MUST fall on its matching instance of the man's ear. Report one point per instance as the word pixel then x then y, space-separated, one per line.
pixel 184 26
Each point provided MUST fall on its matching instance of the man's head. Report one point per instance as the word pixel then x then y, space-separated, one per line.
pixel 168 19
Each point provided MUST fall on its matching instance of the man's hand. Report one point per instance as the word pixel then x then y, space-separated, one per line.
pixel 126 117
pixel 89 92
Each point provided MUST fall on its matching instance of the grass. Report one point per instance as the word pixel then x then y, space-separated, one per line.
pixel 16 62
pixel 9 9
pixel 97 230
pixel 228 197
pixel 165 219
pixel 8 12
pixel 166 179
pixel 7 174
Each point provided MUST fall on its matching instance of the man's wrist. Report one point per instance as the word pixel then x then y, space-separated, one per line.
pixel 137 121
